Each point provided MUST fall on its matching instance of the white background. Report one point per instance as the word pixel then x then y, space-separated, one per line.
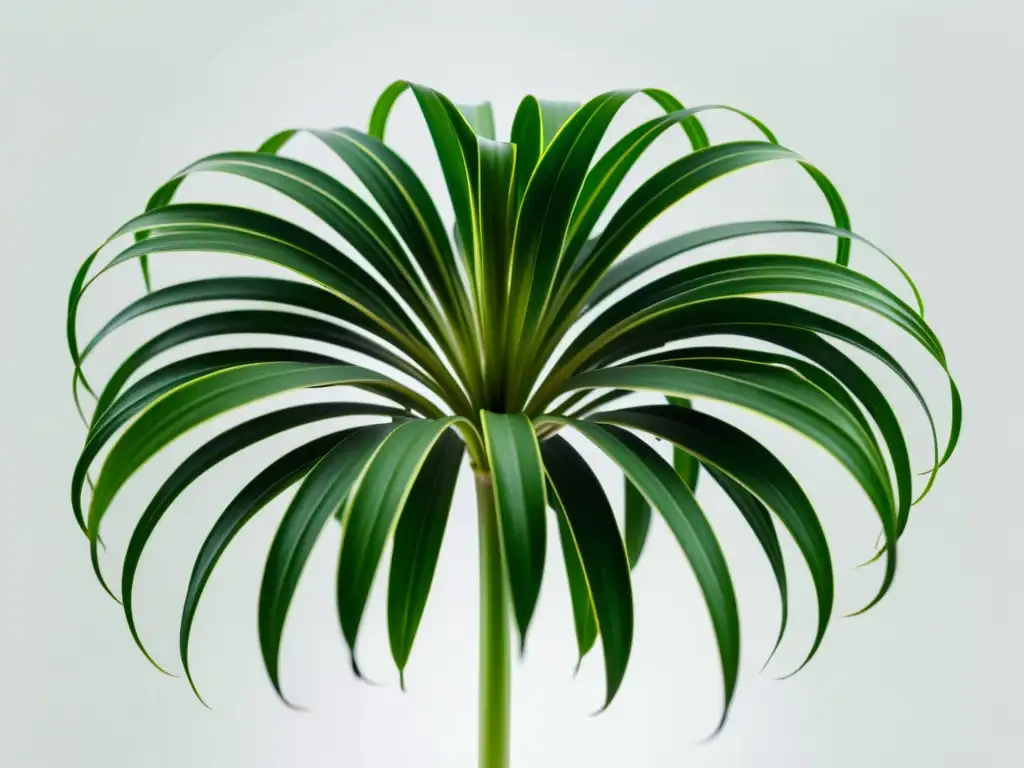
pixel 912 108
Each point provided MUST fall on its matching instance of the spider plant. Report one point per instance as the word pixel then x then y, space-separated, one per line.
pixel 490 338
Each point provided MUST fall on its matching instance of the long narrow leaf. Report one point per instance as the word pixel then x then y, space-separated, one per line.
pixel 417 545
pixel 667 493
pixel 590 521
pixel 208 456
pixel 316 501
pixel 378 497
pixel 518 480
pixel 744 467
pixel 257 493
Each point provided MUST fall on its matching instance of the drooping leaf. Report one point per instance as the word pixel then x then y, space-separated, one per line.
pixel 584 619
pixel 378 496
pixel 514 459
pixel 636 522
pixel 257 493
pixel 760 522
pixel 522 318
pixel 588 516
pixel 790 400
pixel 195 402
pixel 745 468
pixel 319 496
pixel 418 543
pixel 155 385
pixel 208 456
pixel 668 494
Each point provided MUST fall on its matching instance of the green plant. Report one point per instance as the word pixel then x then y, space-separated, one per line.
pixel 486 355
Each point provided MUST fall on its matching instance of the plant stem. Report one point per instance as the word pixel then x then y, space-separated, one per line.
pixel 495 657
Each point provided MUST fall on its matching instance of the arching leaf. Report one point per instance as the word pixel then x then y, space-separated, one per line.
pixel 258 492
pixel 218 449
pixel 514 459
pixel 417 545
pixel 579 498
pixel 378 497
pixel 754 478
pixel 667 493
pixel 316 501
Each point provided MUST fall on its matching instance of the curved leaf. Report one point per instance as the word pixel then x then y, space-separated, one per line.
pixel 754 478
pixel 409 208
pixel 579 498
pixel 838 373
pixel 620 273
pixel 378 497
pixel 745 275
pixel 584 619
pixel 787 398
pixel 195 402
pixel 671 184
pixel 756 318
pixel 157 384
pixel 242 231
pixel 331 201
pixel 208 456
pixel 535 124
pixel 317 499
pixel 545 213
pixel 759 519
pixel 253 321
pixel 667 493
pixel 604 178
pixel 636 522
pixel 418 543
pixel 514 458
pixel 257 493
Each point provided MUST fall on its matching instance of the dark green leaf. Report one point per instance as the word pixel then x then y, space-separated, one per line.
pixel 636 522
pixel 518 480
pixel 417 544
pixel 208 456
pixel 588 516
pixel 790 399
pixel 376 501
pixel 316 501
pixel 752 476
pixel 667 493
pixel 157 384
pixel 759 519
pixel 259 492
pixel 195 402
pixel 584 619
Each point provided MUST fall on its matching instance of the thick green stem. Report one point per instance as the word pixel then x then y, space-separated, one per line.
pixel 495 652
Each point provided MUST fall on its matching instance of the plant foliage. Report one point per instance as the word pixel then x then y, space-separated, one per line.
pixel 491 339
